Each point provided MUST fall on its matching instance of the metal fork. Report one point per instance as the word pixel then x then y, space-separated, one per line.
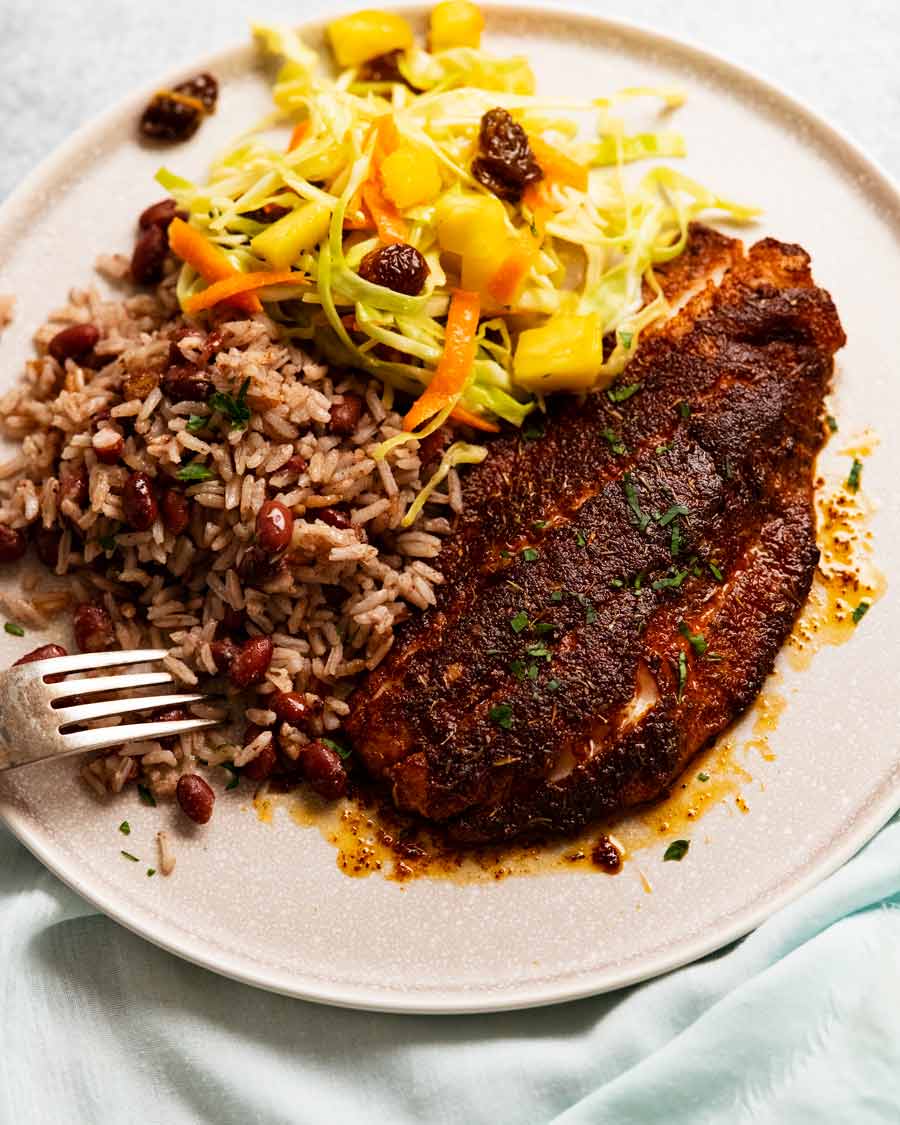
pixel 31 728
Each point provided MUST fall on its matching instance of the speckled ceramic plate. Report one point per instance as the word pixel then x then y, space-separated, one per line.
pixel 265 902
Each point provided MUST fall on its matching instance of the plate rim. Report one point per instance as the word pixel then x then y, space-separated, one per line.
pixel 456 1000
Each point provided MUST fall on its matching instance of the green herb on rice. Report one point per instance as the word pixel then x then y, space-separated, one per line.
pixel 13 629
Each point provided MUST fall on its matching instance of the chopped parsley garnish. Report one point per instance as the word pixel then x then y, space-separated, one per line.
pixel 696 640
pixel 505 555
pixel 618 583
pixel 519 621
pixel 831 423
pixel 125 828
pixel 684 409
pixel 128 855
pixel 553 685
pixel 671 581
pixel 532 671
pixel 501 715
pixel 543 627
pixel 341 751
pixel 664 448
pixel 196 422
pixel 108 543
pixel 146 796
pixel 673 513
pixel 539 525
pixel 682 674
pixel 580 538
pixel 860 612
pixel 539 651
pixel 518 669
pixel 677 850
pixel 151 871
pixel 195 472
pixel 638 581
pixel 556 596
pixel 641 519
pixel 234 408
pixel 533 431
pixel 855 474
pixel 675 540
pixel 626 339
pixel 13 629
pixel 716 572
pixel 616 445
pixel 530 554
pixel 703 776
pixel 235 779
pixel 590 614
pixel 623 393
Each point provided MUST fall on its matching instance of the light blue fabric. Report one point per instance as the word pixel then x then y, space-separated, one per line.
pixel 798 1023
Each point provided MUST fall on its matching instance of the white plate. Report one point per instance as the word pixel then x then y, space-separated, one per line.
pixel 265 903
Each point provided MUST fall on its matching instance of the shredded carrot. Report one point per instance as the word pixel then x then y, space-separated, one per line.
pixel 505 283
pixel 460 414
pixel 208 260
pixel 557 166
pixel 298 135
pixel 370 207
pixel 455 365
pixel 242 283
pixel 537 201
pixel 388 221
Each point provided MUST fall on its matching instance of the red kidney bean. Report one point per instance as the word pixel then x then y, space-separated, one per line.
pixel 13 544
pixel 233 620
pixel 334 517
pixel 290 707
pixel 257 567
pixel 345 415
pixel 295 464
pixel 73 484
pixel 186 383
pixel 175 510
pixel 149 255
pixel 45 652
pixel 262 765
pixel 73 342
pixel 139 501
pixel 46 543
pixel 274 526
pixel 223 653
pixel 139 384
pixel 158 214
pixel 169 715
pixel 251 662
pixel 108 445
pixel 93 628
pixel 323 770
pixel 195 798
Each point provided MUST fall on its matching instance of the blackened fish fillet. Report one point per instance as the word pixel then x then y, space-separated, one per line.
pixel 618 589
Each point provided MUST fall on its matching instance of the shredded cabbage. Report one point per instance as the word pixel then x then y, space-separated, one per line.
pixel 596 236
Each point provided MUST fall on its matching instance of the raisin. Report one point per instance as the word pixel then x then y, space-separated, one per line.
pixel 169 119
pixel 399 267
pixel 139 384
pixel 506 164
